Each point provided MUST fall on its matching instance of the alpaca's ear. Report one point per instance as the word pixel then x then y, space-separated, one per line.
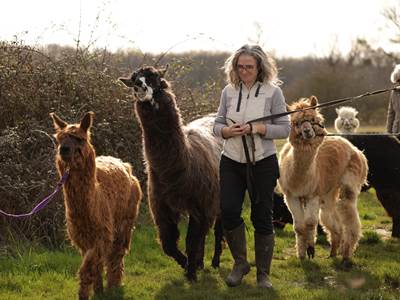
pixel 126 81
pixel 163 71
pixel 356 114
pixel 164 84
pixel 337 110
pixel 58 123
pixel 313 101
pixel 87 121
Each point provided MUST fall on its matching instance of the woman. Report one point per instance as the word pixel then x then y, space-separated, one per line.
pixel 393 113
pixel 249 159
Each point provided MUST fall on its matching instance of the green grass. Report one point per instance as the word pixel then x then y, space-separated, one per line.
pixel 31 272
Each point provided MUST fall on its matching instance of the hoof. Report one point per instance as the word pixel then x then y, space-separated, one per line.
pixel 310 252
pixel 347 264
pixel 191 277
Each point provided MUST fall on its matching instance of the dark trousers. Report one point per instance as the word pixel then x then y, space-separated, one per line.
pixel 233 187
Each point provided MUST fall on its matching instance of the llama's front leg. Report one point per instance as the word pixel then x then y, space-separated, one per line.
pixel 296 209
pixel 348 213
pixel 311 209
pixel 169 236
pixel 89 271
pixel 194 241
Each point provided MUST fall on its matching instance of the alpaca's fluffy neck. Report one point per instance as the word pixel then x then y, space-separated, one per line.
pixel 79 190
pixel 304 163
pixel 164 140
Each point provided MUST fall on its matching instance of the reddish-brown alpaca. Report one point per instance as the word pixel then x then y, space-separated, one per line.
pixel 101 204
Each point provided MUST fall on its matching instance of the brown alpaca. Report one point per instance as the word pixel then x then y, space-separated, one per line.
pixel 181 166
pixel 102 198
pixel 321 177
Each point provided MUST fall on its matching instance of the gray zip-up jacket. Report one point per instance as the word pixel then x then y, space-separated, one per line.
pixel 393 113
pixel 268 101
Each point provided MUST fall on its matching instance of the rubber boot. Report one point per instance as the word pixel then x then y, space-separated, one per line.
pixel 264 248
pixel 236 239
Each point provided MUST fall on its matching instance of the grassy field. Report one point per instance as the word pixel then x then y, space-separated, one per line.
pixel 28 272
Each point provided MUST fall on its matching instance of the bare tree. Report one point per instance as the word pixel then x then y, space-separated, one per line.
pixel 392 14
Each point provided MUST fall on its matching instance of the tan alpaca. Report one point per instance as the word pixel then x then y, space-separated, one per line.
pixel 321 178
pixel 102 198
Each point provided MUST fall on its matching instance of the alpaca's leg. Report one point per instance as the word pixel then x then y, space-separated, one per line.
pixel 299 225
pixel 218 240
pixel 98 283
pixel 89 271
pixel 194 241
pixel 115 265
pixel 330 220
pixel 311 209
pixel 115 259
pixel 347 209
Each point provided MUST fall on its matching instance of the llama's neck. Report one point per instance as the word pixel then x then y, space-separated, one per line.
pixel 163 136
pixel 79 190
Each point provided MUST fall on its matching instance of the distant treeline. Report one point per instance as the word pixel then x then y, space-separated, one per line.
pixel 70 81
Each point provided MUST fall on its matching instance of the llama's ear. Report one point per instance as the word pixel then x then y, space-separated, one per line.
pixel 313 101
pixel 163 71
pixel 356 113
pixel 126 81
pixel 337 110
pixel 58 123
pixel 87 121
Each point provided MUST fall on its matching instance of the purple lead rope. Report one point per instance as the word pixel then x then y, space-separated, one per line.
pixel 41 204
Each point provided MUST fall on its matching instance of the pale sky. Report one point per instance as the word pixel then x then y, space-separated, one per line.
pixel 286 27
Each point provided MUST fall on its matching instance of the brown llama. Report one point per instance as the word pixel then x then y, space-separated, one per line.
pixel 102 198
pixel 181 167
pixel 321 177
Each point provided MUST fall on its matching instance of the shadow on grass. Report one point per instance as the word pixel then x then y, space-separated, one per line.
pixel 211 285
pixel 116 293
pixel 354 278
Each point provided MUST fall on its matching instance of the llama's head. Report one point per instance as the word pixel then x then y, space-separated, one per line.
pixel 73 140
pixel 146 82
pixel 347 121
pixel 307 123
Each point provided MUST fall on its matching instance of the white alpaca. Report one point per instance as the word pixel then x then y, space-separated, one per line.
pixel 347 121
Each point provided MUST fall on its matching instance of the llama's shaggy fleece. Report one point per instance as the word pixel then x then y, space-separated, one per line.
pixel 181 165
pixel 383 154
pixel 102 198
pixel 346 121
pixel 321 177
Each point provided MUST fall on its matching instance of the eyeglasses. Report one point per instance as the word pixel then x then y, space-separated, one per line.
pixel 245 67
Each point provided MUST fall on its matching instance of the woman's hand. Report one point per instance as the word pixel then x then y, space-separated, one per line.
pixel 234 130
pixel 259 128
pixel 255 128
pixel 239 130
